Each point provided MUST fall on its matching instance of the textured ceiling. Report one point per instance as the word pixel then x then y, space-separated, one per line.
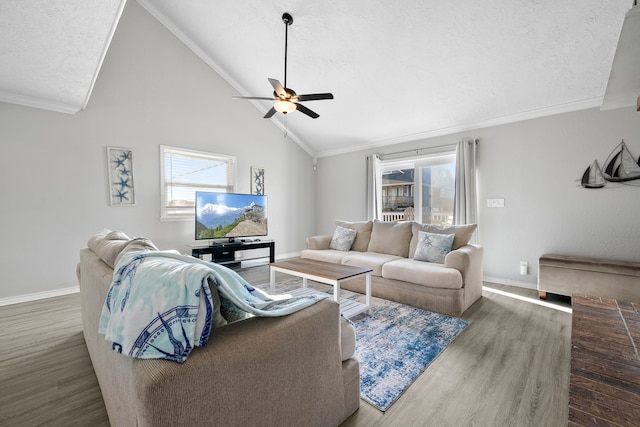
pixel 52 50
pixel 400 70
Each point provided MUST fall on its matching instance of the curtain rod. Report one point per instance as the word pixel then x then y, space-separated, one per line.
pixel 417 150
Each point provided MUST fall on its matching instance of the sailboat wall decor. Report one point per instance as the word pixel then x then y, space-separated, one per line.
pixel 620 167
pixel 592 177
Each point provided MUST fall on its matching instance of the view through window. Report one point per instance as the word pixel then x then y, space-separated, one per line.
pixel 420 190
pixel 186 171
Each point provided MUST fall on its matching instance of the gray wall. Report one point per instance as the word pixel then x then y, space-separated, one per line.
pixel 535 165
pixel 152 90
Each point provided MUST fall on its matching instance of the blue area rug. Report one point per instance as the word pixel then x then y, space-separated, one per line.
pixel 395 343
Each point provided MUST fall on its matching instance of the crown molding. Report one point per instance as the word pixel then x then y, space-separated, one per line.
pixel 511 118
pixel 45 104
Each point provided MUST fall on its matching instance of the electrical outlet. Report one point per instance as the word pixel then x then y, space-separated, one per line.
pixel 495 203
pixel 524 267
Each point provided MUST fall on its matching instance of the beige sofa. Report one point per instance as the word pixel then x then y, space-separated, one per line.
pixel 389 248
pixel 287 371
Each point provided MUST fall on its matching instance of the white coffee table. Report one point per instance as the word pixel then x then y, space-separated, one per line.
pixel 330 274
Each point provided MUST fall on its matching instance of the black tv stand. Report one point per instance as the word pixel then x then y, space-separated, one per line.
pixel 225 252
pixel 227 244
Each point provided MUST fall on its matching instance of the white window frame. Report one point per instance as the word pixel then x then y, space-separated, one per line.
pixel 182 213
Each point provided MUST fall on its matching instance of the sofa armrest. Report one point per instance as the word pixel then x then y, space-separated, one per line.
pixel 319 242
pixel 265 364
pixel 468 261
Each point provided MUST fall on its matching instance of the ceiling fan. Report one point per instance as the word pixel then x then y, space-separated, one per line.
pixel 286 99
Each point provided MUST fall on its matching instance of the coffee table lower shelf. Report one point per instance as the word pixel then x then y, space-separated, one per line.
pixel 348 308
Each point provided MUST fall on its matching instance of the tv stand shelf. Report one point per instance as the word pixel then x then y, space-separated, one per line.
pixel 225 253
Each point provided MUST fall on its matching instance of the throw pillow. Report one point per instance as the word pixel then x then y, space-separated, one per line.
pixel 342 239
pixel 230 311
pixel 391 238
pixel 363 229
pixel 433 247
pixel 462 234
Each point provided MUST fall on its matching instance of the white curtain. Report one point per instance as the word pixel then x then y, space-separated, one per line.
pixel 374 187
pixel 465 208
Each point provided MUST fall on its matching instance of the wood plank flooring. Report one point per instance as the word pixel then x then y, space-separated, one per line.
pixel 46 376
pixel 604 386
pixel 510 367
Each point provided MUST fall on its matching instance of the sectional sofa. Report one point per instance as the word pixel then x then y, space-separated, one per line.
pixel 391 250
pixel 295 370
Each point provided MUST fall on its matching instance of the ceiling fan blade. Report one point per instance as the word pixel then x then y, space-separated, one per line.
pixel 254 97
pixel 278 88
pixel 307 111
pixel 315 96
pixel 270 113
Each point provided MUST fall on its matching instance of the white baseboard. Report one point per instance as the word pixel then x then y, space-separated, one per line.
pixel 287 256
pixel 39 295
pixel 509 282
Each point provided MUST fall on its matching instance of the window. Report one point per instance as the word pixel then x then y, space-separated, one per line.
pixel 183 172
pixel 420 189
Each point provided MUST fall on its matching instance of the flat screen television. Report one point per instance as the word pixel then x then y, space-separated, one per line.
pixel 230 215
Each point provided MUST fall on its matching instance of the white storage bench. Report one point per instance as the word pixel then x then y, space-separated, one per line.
pixel 566 275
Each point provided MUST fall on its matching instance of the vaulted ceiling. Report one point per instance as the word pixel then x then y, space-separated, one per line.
pixel 51 51
pixel 400 70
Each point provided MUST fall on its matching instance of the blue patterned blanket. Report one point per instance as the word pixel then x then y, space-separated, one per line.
pixel 159 305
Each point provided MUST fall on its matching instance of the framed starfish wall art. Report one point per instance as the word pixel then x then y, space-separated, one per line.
pixel 120 167
pixel 257 180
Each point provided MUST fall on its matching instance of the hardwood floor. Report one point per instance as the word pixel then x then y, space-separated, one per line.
pixel 510 367
pixel 46 376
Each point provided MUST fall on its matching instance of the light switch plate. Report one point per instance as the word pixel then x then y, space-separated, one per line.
pixel 495 203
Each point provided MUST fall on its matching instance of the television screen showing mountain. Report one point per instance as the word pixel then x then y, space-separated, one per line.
pixel 230 215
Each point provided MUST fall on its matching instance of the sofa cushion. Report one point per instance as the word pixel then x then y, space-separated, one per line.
pixel 423 273
pixel 372 260
pixel 342 238
pixel 390 238
pixel 326 255
pixel 363 236
pixel 433 247
pixel 462 234
pixel 108 244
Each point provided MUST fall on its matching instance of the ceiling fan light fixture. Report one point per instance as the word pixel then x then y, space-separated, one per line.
pixel 286 99
pixel 284 107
